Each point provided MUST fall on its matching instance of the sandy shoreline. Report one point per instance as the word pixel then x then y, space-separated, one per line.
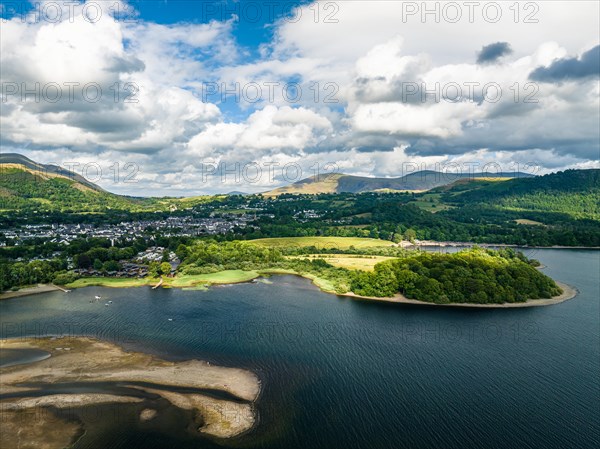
pixel 569 292
pixel 40 288
pixel 88 360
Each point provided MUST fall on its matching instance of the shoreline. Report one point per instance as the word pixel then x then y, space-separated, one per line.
pixel 444 244
pixel 40 288
pixel 569 292
pixel 134 373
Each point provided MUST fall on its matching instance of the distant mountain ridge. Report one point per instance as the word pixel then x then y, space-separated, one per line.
pixel 417 181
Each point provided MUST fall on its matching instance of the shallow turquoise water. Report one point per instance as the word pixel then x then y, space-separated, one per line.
pixel 340 373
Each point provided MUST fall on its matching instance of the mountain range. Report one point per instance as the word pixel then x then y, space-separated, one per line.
pixel 414 182
pixel 325 183
pixel 28 186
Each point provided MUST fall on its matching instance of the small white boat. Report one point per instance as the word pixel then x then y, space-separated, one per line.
pixel 110 302
pixel 170 319
pixel 106 304
pixel 97 297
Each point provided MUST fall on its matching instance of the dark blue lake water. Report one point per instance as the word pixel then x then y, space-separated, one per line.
pixel 341 373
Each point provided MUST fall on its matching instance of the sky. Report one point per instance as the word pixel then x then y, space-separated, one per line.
pixel 180 98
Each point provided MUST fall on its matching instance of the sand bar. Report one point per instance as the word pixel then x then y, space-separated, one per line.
pixel 90 360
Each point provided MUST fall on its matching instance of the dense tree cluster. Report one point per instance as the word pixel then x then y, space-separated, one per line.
pixel 206 256
pixel 473 276
pixel 31 273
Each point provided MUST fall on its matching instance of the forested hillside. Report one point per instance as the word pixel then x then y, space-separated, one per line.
pixel 572 192
pixel 24 190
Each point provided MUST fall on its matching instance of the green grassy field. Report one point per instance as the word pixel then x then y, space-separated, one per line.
pixel 236 211
pixel 323 284
pixel 431 202
pixel 220 277
pixel 187 281
pixel 111 282
pixel 524 221
pixel 321 242
pixel 349 261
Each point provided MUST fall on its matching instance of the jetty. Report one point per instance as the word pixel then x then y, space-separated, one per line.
pixel 159 284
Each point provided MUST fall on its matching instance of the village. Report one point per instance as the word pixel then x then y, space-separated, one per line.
pixel 185 226
pixel 138 267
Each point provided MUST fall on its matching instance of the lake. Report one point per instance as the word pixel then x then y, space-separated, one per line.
pixel 342 373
